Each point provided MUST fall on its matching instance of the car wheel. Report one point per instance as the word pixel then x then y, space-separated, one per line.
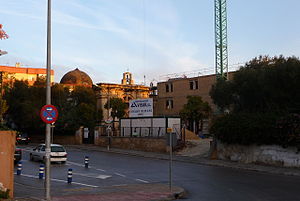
pixel 63 162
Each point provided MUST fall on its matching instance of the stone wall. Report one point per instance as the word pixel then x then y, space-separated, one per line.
pixel 264 154
pixel 7 150
pixel 139 143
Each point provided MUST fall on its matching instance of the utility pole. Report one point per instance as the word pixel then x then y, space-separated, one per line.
pixel 48 102
pixel 221 39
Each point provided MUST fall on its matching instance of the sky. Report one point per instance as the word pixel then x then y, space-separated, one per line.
pixel 149 38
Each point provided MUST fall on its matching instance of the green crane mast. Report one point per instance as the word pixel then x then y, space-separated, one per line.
pixel 221 39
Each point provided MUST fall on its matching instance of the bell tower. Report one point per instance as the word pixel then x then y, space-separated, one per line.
pixel 127 79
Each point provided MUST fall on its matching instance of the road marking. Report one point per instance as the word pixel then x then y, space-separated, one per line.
pixel 120 174
pixel 73 163
pixel 80 165
pixel 101 170
pixel 98 176
pixel 59 180
pixel 142 180
pixel 76 183
pixel 120 185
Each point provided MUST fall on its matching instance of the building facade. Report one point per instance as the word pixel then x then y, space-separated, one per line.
pixel 127 91
pixel 172 94
pixel 11 73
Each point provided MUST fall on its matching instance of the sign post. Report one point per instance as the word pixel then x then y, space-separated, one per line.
pixel 170 132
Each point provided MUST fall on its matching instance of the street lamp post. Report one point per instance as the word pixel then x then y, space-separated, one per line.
pixel 48 102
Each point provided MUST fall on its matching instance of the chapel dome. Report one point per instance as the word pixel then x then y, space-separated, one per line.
pixel 77 78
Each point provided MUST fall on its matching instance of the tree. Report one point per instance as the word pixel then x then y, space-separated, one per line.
pixel 76 108
pixel 117 106
pixel 264 100
pixel 195 111
pixel 264 84
pixel 3 34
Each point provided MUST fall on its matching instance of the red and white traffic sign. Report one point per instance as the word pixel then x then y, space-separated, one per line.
pixel 49 114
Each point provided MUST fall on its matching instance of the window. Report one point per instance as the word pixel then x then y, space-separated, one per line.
pixel 169 87
pixel 169 104
pixel 193 84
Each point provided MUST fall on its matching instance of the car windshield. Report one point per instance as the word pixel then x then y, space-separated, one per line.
pixel 57 149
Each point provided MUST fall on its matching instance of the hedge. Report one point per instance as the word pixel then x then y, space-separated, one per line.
pixel 258 128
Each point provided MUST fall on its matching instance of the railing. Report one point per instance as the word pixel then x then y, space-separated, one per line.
pixel 143 131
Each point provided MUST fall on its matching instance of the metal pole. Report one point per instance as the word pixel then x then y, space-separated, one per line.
pixel 170 163
pixel 52 131
pixel 48 102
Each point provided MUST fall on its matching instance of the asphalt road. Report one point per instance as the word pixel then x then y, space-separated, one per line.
pixel 201 182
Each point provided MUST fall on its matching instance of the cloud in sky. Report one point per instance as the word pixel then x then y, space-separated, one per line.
pixel 149 37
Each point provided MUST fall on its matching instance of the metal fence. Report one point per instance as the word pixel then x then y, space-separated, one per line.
pixel 143 131
pixel 155 132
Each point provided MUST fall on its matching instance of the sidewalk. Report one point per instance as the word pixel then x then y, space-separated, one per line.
pixel 134 192
pixel 195 159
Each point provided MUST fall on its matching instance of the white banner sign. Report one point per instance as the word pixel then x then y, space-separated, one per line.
pixel 141 108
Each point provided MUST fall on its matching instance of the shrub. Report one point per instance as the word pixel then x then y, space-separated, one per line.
pixel 4 192
pixel 258 128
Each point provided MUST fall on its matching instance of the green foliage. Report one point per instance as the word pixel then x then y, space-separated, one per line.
pixel 195 110
pixel 117 106
pixel 263 85
pixel 261 94
pixel 76 108
pixel 258 128
pixel 4 192
pixel 221 93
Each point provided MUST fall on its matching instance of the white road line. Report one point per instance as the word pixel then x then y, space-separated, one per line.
pixel 59 180
pixel 142 180
pixel 120 185
pixel 80 165
pixel 91 175
pixel 101 170
pixel 27 175
pixel 73 163
pixel 121 175
pixel 76 183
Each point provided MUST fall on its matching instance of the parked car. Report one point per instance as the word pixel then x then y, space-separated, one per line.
pixel 18 155
pixel 22 138
pixel 58 153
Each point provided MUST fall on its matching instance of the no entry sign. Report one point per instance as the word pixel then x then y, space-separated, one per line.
pixel 49 114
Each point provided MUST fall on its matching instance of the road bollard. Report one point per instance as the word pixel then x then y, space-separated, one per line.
pixel 41 171
pixel 86 161
pixel 19 168
pixel 70 175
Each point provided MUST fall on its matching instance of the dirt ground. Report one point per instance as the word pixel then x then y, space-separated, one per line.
pixel 199 147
